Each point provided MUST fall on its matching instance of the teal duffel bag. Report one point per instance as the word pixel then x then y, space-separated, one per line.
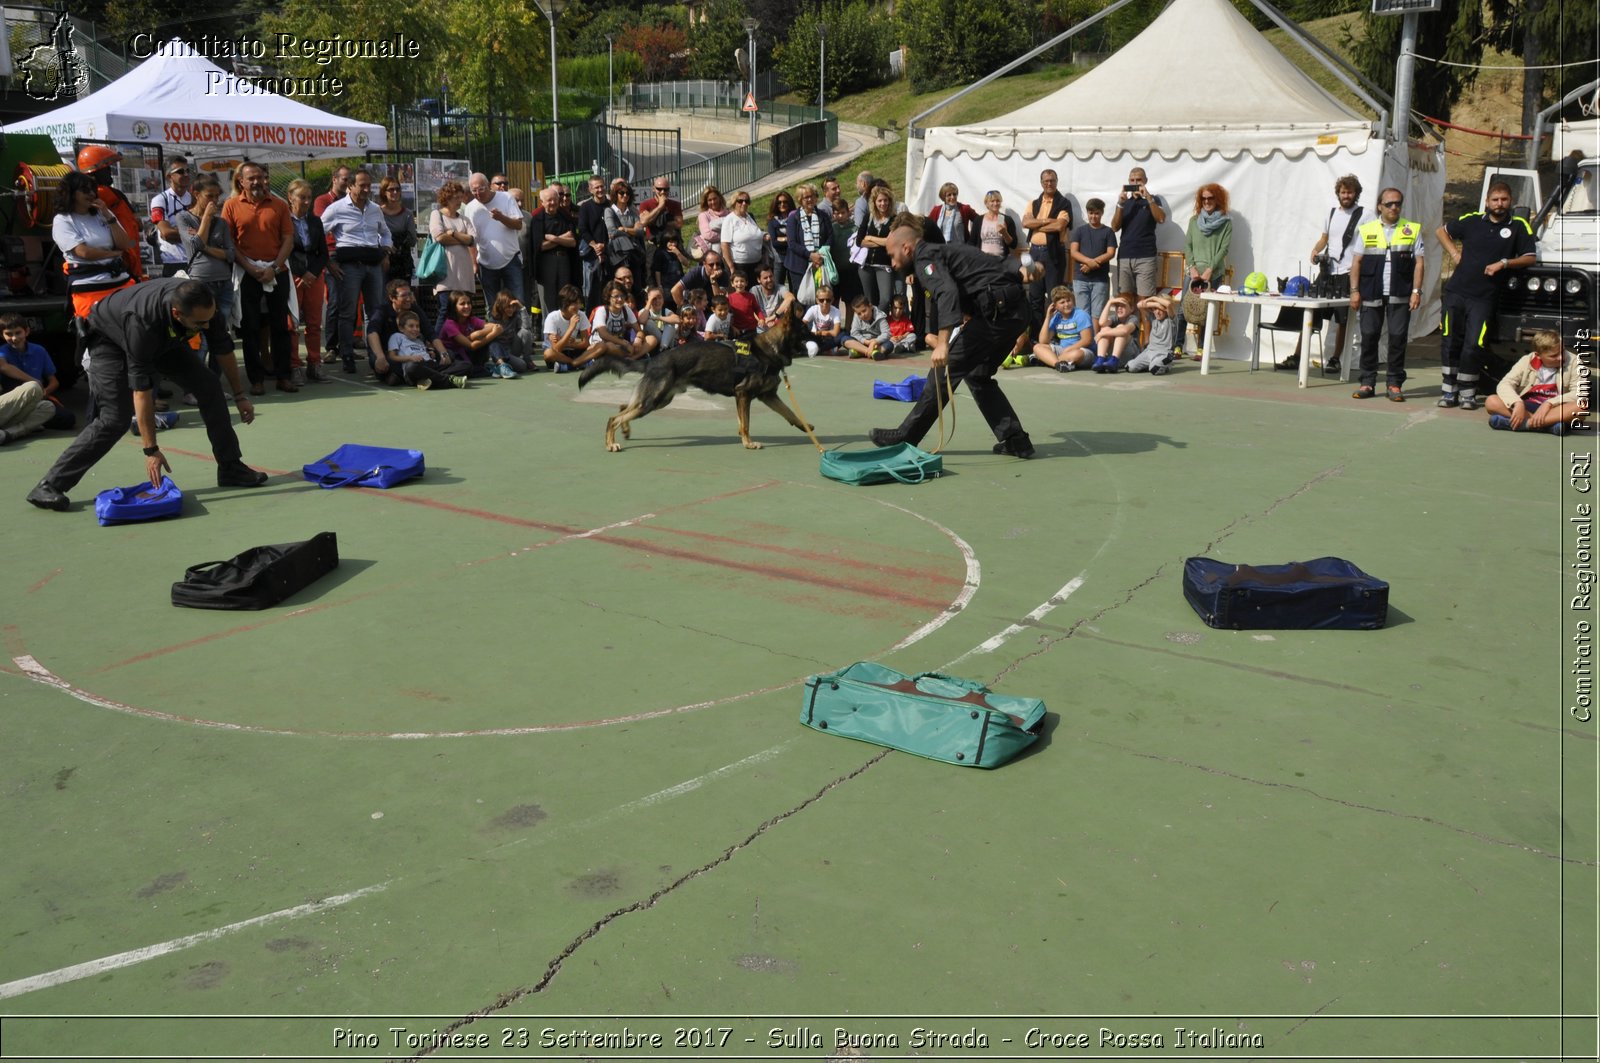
pixel 880 465
pixel 941 717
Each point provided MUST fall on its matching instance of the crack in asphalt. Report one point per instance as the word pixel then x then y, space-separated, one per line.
pixel 1358 806
pixel 1227 530
pixel 505 1000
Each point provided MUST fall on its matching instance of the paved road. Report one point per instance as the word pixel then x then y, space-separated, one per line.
pixel 646 164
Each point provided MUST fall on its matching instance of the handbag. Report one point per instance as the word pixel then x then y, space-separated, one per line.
pixel 355 465
pixel 433 265
pixel 139 502
pixel 907 390
pixel 1194 307
pixel 858 254
pixel 1328 593
pixel 828 271
pixel 902 463
pixel 807 295
pixel 262 576
pixel 941 717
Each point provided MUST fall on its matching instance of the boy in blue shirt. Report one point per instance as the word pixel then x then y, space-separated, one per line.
pixel 1063 338
pixel 28 384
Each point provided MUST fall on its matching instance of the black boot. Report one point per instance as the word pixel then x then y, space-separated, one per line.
pixel 1017 444
pixel 887 437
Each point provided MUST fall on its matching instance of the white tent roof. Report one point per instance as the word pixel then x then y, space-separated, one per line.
pixel 1197 80
pixel 183 101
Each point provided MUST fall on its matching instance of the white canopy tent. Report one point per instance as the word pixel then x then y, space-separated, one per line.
pixel 1247 119
pixel 181 100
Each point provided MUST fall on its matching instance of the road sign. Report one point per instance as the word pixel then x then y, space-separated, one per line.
pixel 750 102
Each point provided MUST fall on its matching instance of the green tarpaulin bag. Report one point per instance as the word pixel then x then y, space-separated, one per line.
pixel 880 465
pixel 941 717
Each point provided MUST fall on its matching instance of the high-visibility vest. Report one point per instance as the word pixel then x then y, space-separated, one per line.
pixel 1399 251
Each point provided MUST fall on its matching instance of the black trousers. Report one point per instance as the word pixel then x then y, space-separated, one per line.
pixel 113 408
pixel 1373 318
pixel 1466 326
pixel 251 295
pixel 975 355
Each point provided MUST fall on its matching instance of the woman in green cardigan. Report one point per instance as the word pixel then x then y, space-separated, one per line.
pixel 1205 248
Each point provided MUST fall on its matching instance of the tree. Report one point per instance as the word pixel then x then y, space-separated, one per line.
pixel 716 38
pixel 661 50
pixel 1457 36
pixel 953 41
pixel 859 42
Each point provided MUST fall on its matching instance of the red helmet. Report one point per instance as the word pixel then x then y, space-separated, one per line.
pixel 97 156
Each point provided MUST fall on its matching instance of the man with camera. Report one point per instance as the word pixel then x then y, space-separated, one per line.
pixel 961 280
pixel 1138 213
pixel 663 225
pixel 1333 277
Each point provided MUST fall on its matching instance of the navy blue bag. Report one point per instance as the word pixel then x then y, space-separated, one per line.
pixel 908 390
pixel 1328 593
pixel 139 502
pixel 354 465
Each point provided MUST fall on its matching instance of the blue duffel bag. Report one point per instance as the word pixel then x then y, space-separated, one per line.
pixel 908 390
pixel 355 465
pixel 1327 593
pixel 139 502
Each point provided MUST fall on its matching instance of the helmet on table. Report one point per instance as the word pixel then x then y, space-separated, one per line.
pixel 1297 288
pixel 1256 283
pixel 97 156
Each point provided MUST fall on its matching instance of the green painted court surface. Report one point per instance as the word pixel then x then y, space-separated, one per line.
pixel 532 752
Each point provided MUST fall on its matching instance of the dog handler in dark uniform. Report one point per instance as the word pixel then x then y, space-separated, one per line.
pixel 961 279
pixel 135 334
pixel 1491 243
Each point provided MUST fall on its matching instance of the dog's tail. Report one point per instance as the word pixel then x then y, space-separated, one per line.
pixel 609 363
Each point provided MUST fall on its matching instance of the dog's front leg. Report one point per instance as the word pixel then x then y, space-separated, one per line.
pixel 781 408
pixel 741 403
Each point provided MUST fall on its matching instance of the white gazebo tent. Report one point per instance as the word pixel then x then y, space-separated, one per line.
pixel 181 100
pixel 1199 96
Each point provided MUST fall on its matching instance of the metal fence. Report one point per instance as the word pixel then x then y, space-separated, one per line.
pixel 744 166
pixel 719 99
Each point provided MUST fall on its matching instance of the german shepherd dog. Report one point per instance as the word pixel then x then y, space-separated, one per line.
pixel 718 368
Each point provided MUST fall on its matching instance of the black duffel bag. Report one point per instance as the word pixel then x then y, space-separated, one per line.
pixel 1324 593
pixel 260 577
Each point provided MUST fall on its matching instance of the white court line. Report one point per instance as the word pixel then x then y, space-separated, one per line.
pixel 989 645
pixel 79 971
pixel 968 589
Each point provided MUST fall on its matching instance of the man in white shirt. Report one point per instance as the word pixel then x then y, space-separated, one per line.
pixel 497 221
pixel 1338 239
pixel 166 205
pixel 361 245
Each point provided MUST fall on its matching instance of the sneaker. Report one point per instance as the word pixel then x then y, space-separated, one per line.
pixel 1559 428
pixel 1158 370
pixel 1499 422
pixel 561 367
pixel 1449 402
pixel 1009 362
pixel 1469 403
pixel 1018 445
pixel 458 381
pixel 189 399
pixel 424 384
pixel 297 376
pixel 880 355
pixel 1333 364
pixel 238 474
pixel 47 496
pixel 349 366
pixel 1065 366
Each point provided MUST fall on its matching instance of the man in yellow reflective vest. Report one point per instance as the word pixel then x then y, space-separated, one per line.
pixel 1388 272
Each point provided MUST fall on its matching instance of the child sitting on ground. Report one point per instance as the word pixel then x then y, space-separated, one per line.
pixel 869 331
pixel 1158 346
pixel 693 325
pixel 566 333
pixel 28 385
pixel 719 326
pixel 902 331
pixel 614 327
pixel 517 336
pixel 745 306
pixel 468 338
pixel 1117 336
pixel 411 353
pixel 1063 338
pixel 1544 392
pixel 825 321
pixel 659 325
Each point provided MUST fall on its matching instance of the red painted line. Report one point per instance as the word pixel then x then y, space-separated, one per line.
pixel 52 575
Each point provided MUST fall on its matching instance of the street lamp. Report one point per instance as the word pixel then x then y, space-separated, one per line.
pixel 611 115
pixel 750 27
pixel 552 10
pixel 822 71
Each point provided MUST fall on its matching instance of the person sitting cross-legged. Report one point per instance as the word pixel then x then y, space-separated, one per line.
pixel 1543 392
